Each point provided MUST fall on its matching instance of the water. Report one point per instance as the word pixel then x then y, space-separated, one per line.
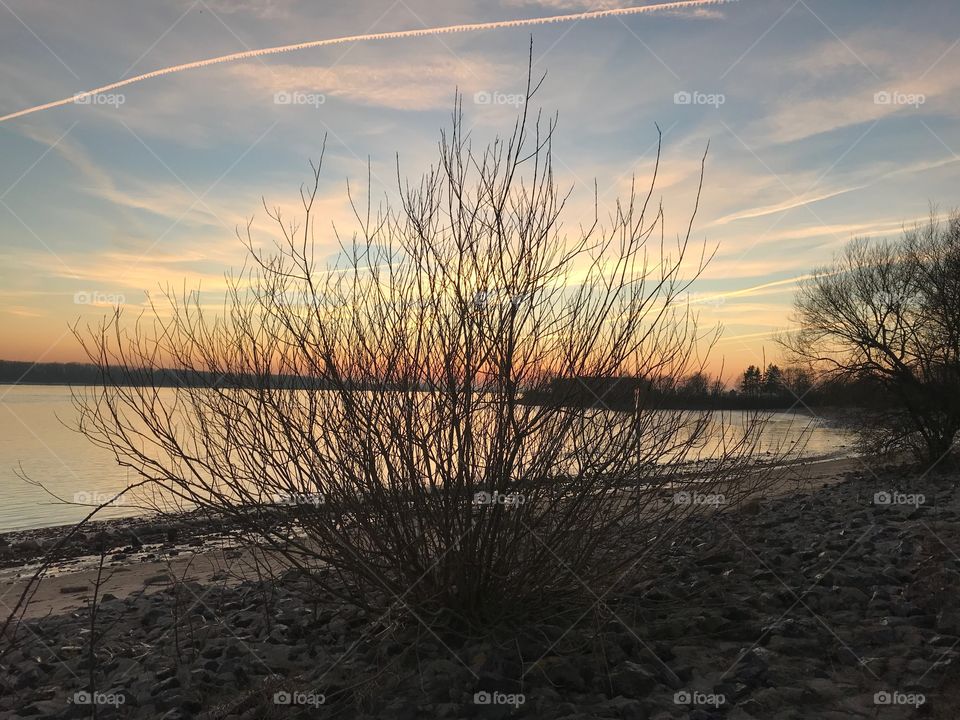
pixel 37 440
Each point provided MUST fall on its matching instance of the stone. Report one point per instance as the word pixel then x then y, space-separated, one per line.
pixel 561 672
pixel 632 680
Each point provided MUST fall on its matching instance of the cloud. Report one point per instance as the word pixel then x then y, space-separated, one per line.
pixel 418 85
pixel 874 174
pixel 391 35
pixel 835 84
pixel 581 5
pixel 261 9
pixel 784 206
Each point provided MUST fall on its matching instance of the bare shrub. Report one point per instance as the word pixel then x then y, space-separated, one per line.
pixel 368 420
pixel 889 313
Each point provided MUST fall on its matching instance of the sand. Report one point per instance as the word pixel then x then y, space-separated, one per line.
pixel 68 588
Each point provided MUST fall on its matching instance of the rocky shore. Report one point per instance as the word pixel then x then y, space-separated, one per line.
pixel 128 536
pixel 837 603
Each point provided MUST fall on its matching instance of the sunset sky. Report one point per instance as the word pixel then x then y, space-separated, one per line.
pixel 826 120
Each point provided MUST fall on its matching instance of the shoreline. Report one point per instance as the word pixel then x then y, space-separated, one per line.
pixel 812 602
pixel 141 549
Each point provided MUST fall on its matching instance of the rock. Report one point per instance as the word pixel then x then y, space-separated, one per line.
pixel 28 546
pixel 403 709
pixel 632 680
pixel 561 672
pixel 948 622
pixel 338 626
pixel 625 708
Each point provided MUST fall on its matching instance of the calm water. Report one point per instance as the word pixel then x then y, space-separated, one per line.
pixel 36 439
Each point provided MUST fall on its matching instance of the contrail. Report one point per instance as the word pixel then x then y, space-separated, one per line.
pixel 471 27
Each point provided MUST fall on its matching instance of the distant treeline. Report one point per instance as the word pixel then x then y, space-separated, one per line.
pixel 88 374
pixel 771 389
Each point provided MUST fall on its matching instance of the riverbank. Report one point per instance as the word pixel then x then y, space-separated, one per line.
pixel 835 599
pixel 142 551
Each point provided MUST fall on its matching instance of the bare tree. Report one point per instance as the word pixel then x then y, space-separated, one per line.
pixel 889 312
pixel 368 420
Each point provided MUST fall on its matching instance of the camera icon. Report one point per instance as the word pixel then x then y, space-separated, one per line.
pixel 482 698
pixel 82 698
pixel 882 498
pixel 681 498
pixel 882 698
pixel 682 98
pixel 282 697
pixel 282 98
pixel 482 98
pixel 682 697
pixel 83 498
pixel 882 98
pixel 82 298
pixel 481 498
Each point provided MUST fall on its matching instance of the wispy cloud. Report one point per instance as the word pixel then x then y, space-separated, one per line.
pixel 394 35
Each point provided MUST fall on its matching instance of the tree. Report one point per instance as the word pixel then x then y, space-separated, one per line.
pixel 697 385
pixel 889 313
pixel 403 470
pixel 752 381
pixel 797 381
pixel 773 380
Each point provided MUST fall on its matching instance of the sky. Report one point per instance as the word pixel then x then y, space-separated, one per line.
pixel 826 120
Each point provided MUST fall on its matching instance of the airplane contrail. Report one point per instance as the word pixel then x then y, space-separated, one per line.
pixel 397 34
